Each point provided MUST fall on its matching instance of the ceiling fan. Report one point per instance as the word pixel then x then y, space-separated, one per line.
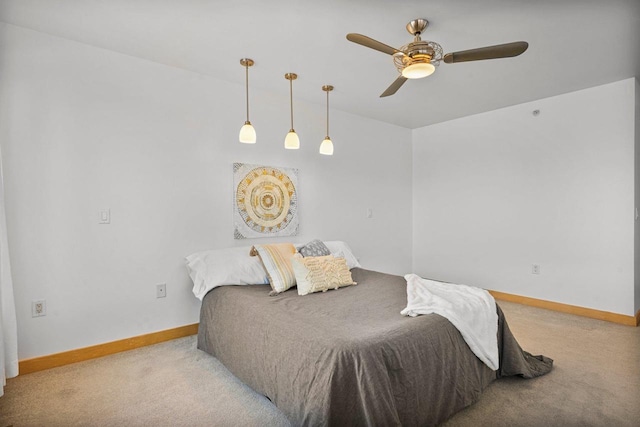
pixel 420 58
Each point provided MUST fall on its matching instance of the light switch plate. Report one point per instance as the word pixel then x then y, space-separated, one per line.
pixel 104 216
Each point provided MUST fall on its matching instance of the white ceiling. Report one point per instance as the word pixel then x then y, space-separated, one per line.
pixel 573 44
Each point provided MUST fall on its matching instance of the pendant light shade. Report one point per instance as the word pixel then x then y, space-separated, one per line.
pixel 247 132
pixel 291 141
pixel 326 147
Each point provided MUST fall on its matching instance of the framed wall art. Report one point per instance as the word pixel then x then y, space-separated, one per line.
pixel 265 201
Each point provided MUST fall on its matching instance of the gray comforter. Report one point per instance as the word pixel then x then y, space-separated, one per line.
pixel 347 356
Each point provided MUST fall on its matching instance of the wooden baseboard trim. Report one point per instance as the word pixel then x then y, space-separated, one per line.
pixel 72 356
pixel 571 309
pixel 78 355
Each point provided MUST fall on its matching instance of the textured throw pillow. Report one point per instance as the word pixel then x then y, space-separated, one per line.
pixel 316 274
pixel 276 259
pixel 314 248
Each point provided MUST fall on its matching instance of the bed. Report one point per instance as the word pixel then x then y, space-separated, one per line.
pixel 347 356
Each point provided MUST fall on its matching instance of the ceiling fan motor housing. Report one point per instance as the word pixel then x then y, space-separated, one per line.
pixel 422 51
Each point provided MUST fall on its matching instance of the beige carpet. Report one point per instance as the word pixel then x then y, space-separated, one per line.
pixel 595 382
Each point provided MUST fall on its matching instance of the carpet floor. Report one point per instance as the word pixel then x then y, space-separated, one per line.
pixel 595 382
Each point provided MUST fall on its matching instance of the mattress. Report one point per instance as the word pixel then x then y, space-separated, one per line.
pixel 347 356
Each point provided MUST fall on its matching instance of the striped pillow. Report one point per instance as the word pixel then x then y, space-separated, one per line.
pixel 276 259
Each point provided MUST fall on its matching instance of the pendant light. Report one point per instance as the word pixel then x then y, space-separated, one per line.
pixel 326 147
pixel 247 132
pixel 291 141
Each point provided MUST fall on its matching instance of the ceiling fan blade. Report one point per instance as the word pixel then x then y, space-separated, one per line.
pixel 490 52
pixel 371 43
pixel 394 87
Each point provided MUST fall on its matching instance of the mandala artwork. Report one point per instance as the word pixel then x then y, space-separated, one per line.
pixel 265 201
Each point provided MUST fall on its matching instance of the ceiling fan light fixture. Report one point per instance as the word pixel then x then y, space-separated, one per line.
pixel 420 58
pixel 418 70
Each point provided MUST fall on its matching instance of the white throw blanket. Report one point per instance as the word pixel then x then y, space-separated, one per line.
pixel 472 310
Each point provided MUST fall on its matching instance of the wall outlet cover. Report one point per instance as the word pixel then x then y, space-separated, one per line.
pixel 38 308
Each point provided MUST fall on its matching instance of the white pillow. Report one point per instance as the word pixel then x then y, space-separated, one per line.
pixel 219 267
pixel 341 249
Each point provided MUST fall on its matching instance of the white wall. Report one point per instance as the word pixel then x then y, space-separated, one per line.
pixel 84 128
pixel 497 192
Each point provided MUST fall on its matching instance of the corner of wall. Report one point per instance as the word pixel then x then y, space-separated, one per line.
pixel 636 181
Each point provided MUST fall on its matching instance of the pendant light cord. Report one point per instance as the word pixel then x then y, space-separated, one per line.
pixel 327 113
pixel 247 87
pixel 291 100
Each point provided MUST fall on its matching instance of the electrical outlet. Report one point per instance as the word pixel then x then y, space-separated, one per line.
pixel 38 308
pixel 535 269
pixel 161 290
